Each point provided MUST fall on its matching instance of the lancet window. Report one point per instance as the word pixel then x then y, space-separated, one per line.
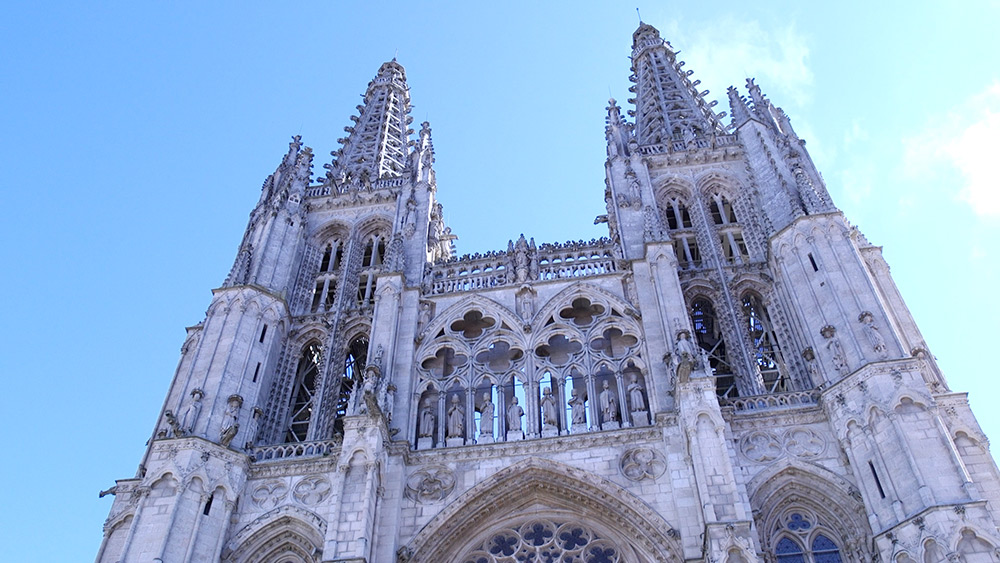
pixel 350 376
pixel 708 334
pixel 678 221
pixel 324 296
pixel 304 401
pixel 766 353
pixel 734 248
pixel 582 372
pixel 371 265
pixel 800 538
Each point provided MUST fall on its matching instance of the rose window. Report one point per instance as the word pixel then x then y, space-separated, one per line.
pixel 545 541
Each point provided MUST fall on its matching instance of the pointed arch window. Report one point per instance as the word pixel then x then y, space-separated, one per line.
pixel 354 365
pixel 325 294
pixel 766 353
pixel 708 334
pixel 802 540
pixel 371 265
pixel 303 400
pixel 678 220
pixel 734 248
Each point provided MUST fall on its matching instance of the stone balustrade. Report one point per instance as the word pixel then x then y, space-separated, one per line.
pixel 295 450
pixel 757 403
pixel 495 269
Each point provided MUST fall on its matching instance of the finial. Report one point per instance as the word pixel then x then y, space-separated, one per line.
pixel 638 14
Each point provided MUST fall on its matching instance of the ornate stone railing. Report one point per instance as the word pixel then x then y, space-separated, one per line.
pixel 295 450
pixel 793 399
pixel 468 275
pixel 559 263
pixel 329 189
pixel 679 146
pixel 521 263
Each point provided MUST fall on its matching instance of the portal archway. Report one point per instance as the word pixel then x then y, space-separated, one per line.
pixel 543 507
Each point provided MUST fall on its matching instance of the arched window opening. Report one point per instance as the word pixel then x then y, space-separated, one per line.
pixel 709 338
pixel 678 220
pixel 766 353
pixel 677 214
pixel 686 250
pixel 354 365
pixel 788 551
pixel 303 394
pixel 824 550
pixel 734 247
pixel 325 293
pixel 371 264
pixel 374 252
pixel 801 539
pixel 722 210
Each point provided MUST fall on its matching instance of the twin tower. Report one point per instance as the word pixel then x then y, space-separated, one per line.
pixel 730 376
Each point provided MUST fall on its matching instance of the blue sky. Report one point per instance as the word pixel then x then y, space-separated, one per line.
pixel 137 135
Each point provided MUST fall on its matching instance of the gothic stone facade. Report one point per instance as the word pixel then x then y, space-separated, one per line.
pixel 730 375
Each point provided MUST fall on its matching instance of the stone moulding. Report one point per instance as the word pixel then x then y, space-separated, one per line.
pixel 535 483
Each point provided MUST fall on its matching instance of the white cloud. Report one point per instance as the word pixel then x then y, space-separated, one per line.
pixel 727 51
pixel 966 138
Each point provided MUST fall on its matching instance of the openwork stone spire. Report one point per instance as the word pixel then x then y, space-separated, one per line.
pixel 378 144
pixel 668 107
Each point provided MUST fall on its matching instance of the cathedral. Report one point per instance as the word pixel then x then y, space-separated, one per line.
pixel 729 376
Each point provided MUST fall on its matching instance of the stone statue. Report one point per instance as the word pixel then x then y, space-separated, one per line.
pixel 837 357
pixel 635 394
pixel 874 336
pixel 424 317
pixel 230 420
pixel 550 415
pixel 486 416
pixel 426 419
pixel 456 419
pixel 609 403
pixel 685 355
pixel 175 426
pixel 577 405
pixel 190 416
pixel 514 414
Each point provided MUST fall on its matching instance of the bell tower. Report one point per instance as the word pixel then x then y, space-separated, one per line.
pixel 730 375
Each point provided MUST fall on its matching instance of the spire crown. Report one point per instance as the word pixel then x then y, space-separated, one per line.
pixel 378 144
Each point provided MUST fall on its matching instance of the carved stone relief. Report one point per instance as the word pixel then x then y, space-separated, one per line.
pixel 311 490
pixel 269 494
pixel 642 463
pixel 766 445
pixel 430 484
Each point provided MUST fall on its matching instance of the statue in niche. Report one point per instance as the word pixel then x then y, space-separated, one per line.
pixel 874 336
pixel 514 414
pixel 192 411
pixel 837 357
pixel 230 420
pixel 609 403
pixel 456 419
pixel 426 419
pixel 635 394
pixel 486 416
pixel 550 416
pixel 577 405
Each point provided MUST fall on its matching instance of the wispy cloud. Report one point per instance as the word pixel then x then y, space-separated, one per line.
pixel 726 51
pixel 965 138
